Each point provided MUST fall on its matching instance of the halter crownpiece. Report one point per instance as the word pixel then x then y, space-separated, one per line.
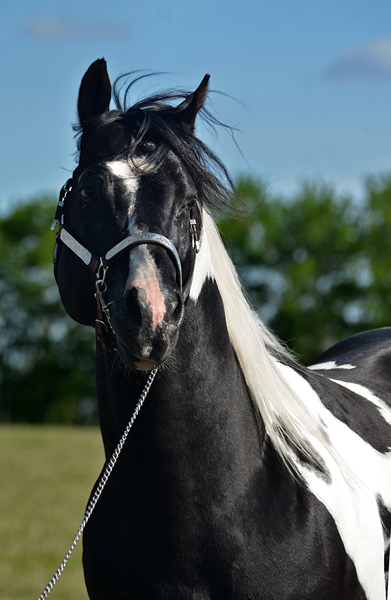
pixel 100 265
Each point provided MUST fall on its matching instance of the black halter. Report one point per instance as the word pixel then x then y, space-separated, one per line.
pixel 100 264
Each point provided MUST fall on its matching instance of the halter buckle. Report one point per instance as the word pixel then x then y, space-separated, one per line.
pixel 101 288
pixel 66 188
pixel 101 277
pixel 195 243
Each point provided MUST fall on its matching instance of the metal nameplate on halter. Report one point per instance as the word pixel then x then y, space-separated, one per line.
pixel 75 246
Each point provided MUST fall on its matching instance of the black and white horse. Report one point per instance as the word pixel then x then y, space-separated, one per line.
pixel 246 475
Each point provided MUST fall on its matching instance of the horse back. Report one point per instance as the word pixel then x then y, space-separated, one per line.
pixel 363 359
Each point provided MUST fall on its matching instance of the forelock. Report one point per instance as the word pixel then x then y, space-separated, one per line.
pixel 147 130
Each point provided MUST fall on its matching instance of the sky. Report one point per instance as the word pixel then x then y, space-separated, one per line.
pixel 306 84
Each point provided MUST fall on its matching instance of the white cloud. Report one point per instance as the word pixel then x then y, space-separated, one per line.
pixel 44 27
pixel 370 61
pixel 62 28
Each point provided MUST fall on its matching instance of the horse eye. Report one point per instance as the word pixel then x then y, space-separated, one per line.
pixel 87 193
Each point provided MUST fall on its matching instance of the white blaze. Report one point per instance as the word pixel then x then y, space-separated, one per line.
pixel 142 267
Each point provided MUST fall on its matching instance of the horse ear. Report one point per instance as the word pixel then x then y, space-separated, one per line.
pixel 95 92
pixel 192 106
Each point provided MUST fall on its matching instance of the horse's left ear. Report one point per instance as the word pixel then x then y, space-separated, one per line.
pixel 195 102
pixel 95 92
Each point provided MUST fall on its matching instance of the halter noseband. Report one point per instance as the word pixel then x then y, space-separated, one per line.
pixel 100 265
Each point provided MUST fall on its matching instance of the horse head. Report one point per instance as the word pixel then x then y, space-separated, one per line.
pixel 130 219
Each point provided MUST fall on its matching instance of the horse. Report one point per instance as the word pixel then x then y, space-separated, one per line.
pixel 246 474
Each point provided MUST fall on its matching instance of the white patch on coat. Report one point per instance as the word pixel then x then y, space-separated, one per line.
pixel 351 497
pixel 384 409
pixel 327 366
pixel 123 170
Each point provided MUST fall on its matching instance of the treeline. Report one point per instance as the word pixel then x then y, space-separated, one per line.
pixel 316 266
pixel 46 359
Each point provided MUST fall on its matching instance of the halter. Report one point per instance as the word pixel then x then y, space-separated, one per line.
pixel 100 264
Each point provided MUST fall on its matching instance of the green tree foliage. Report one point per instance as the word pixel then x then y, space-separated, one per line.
pixel 317 267
pixel 46 360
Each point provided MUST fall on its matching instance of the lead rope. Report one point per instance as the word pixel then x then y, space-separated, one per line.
pixel 100 487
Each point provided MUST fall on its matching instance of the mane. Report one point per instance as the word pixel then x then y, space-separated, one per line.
pixel 155 125
pixel 288 421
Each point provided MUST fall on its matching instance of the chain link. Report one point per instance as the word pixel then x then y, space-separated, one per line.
pixel 100 487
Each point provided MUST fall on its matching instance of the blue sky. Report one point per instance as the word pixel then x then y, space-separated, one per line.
pixel 310 81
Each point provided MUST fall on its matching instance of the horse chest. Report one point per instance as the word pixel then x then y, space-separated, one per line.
pixel 194 514
pixel 282 544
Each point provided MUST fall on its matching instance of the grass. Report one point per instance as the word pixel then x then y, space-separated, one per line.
pixel 46 475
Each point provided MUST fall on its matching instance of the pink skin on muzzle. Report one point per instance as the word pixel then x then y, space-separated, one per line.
pixel 148 282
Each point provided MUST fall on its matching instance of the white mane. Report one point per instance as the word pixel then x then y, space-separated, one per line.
pixel 294 416
pixel 285 415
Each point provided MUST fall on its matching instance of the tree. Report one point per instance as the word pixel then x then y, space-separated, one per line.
pixel 46 360
pixel 316 266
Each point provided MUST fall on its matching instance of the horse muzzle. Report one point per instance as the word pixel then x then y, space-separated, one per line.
pixel 146 323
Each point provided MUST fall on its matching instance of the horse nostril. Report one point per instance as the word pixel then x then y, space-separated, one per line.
pixel 132 306
pixel 144 307
pixel 142 310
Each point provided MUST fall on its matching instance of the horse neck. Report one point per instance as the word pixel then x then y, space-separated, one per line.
pixel 198 405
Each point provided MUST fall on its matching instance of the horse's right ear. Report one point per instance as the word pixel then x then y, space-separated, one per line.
pixel 188 110
pixel 95 92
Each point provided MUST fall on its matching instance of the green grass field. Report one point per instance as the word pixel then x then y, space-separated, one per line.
pixel 46 475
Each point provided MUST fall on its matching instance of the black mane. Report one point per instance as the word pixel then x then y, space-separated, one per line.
pixel 155 125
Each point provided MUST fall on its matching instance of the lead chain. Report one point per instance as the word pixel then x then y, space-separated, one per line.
pixel 100 487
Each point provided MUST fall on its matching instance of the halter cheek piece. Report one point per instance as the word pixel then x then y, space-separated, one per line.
pixel 100 265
